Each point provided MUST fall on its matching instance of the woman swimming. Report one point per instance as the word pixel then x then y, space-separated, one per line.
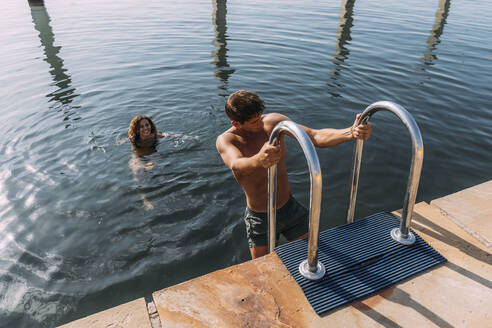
pixel 143 133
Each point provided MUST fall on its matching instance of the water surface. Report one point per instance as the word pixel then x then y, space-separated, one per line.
pixel 76 235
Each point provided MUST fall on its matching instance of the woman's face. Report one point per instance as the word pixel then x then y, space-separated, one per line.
pixel 144 129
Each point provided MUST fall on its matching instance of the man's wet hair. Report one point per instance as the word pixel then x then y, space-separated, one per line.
pixel 243 105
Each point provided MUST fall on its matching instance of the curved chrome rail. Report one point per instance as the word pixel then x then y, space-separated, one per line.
pixel 403 234
pixel 311 268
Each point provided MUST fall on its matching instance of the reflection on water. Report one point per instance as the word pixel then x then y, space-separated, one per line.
pixel 343 33
pixel 77 237
pixel 436 32
pixel 220 55
pixel 343 37
pixel 65 93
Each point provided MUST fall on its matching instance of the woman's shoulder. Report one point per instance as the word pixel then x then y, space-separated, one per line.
pixel 145 143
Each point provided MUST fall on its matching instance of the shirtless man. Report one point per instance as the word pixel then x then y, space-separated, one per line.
pixel 244 148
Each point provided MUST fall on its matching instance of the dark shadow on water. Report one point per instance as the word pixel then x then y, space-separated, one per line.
pixel 220 55
pixel 436 32
pixel 343 33
pixel 65 93
pixel 343 37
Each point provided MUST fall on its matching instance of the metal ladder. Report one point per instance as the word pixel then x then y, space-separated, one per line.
pixel 311 268
pixel 403 234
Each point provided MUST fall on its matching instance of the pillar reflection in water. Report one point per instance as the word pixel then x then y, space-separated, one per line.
pixel 436 32
pixel 65 93
pixel 220 55
pixel 343 37
pixel 343 33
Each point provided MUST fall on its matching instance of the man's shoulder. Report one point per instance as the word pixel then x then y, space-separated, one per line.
pixel 227 137
pixel 227 134
pixel 272 119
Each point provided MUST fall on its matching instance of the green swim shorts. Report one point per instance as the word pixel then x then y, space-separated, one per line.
pixel 292 222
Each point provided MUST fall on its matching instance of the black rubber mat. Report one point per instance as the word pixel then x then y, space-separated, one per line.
pixel 360 258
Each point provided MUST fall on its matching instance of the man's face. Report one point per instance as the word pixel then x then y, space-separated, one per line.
pixel 254 124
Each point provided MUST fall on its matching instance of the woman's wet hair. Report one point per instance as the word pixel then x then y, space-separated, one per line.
pixel 243 105
pixel 133 130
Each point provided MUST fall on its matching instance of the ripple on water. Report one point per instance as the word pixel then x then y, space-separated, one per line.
pixel 81 231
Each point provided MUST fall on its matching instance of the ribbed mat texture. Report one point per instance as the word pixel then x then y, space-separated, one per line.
pixel 360 258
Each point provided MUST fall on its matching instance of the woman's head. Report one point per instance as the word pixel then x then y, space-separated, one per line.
pixel 141 125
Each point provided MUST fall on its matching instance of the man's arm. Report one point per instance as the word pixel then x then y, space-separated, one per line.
pixel 331 137
pixel 326 137
pixel 242 165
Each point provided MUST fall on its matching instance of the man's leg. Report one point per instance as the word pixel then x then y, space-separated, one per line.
pixel 258 251
pixel 297 216
pixel 256 232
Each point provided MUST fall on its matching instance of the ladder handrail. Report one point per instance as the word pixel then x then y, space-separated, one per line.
pixel 311 268
pixel 403 234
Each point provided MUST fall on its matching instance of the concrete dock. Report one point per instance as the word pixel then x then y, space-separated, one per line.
pixel 262 293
